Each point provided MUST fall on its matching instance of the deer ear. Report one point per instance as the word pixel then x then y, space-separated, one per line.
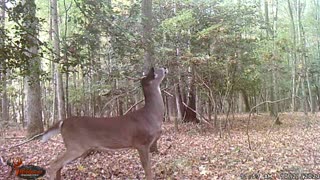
pixel 151 73
pixel 152 70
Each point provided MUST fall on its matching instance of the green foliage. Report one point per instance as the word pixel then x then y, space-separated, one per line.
pixel 220 39
pixel 21 36
pixel 101 41
pixel 181 23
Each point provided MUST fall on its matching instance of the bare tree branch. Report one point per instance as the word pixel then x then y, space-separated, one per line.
pixel 134 106
pixel 143 100
pixel 254 107
pixel 114 98
pixel 203 119
pixel 167 93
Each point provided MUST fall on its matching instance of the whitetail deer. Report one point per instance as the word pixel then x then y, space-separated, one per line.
pixel 138 129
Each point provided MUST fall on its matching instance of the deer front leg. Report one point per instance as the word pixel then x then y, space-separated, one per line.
pixel 145 161
pixel 55 168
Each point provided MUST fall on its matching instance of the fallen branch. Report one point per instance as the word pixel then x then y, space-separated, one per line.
pixel 26 141
pixel 15 137
pixel 202 117
pixel 254 107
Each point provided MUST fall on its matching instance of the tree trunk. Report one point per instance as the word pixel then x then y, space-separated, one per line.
pixel 33 107
pixel 270 31
pixel 53 82
pixel 294 58
pixel 178 103
pixel 3 75
pixel 4 102
pixel 304 62
pixel 318 96
pixel 302 57
pixel 22 104
pixel 65 46
pixel 317 54
pixel 146 10
pixel 216 111
pixel 245 100
pixel 191 116
pixel 56 55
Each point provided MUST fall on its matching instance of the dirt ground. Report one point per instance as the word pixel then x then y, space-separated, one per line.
pixel 281 151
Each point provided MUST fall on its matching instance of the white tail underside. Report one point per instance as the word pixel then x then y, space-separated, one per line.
pixel 51 133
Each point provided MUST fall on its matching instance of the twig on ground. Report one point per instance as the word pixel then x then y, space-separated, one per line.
pixel 15 137
pixel 26 141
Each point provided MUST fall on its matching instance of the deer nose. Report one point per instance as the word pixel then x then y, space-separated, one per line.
pixel 165 70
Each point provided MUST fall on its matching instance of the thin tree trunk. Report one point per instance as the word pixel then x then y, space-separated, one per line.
pixel 274 70
pixel 53 82
pixel 56 56
pixel 177 92
pixel 191 116
pixel 299 9
pixel 318 96
pixel 168 105
pixel 178 107
pixel 22 104
pixel 270 31
pixel 317 19
pixel 246 100
pixel 294 59
pixel 146 9
pixel 311 100
pixel 216 111
pixel 66 9
pixel 3 75
pixel 304 59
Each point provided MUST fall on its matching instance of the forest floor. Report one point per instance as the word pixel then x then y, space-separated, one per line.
pixel 196 152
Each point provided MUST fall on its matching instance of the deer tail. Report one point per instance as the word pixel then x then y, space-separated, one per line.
pixel 54 130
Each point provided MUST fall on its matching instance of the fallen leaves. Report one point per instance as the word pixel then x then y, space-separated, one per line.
pixel 195 154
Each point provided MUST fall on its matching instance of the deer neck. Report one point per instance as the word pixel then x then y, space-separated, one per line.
pixel 153 100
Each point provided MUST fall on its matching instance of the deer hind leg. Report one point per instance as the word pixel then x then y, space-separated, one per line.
pixel 154 145
pixel 144 155
pixel 55 168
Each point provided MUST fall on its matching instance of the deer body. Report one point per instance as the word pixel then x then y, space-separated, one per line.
pixel 114 133
pixel 137 129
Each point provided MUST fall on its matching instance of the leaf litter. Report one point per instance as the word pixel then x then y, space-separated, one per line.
pixel 194 152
